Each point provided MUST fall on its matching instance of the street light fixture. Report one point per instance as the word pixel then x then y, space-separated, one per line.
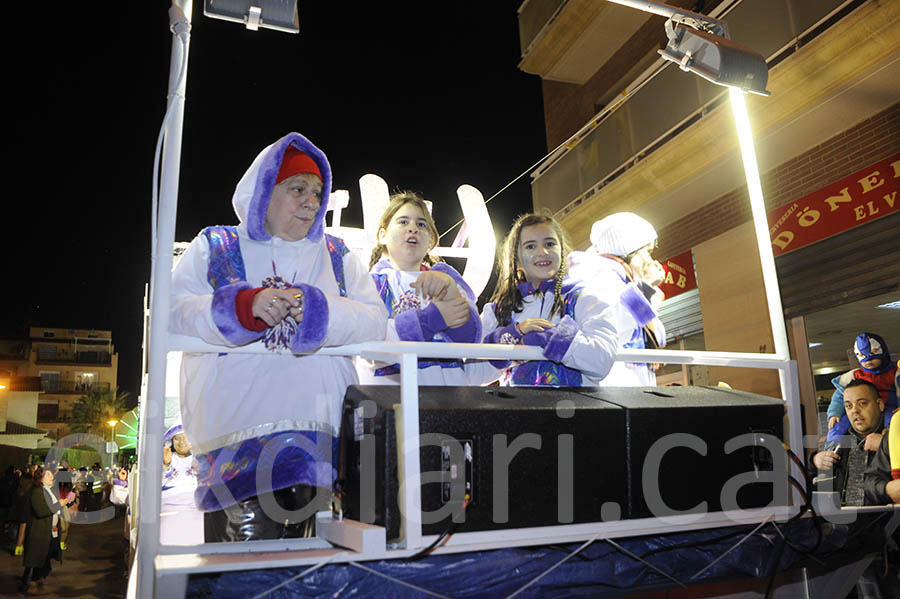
pixel 280 15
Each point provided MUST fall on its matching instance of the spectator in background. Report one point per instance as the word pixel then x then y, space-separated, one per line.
pixel 8 485
pixel 842 463
pixel 875 366
pixel 21 511
pixel 42 535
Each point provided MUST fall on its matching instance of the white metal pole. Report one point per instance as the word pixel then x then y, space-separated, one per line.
pixel 150 459
pixel 410 484
pixel 760 222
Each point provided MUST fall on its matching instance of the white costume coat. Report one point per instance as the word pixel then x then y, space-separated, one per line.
pixel 242 402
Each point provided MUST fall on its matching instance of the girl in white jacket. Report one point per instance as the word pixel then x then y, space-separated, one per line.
pixel 427 299
pixel 535 304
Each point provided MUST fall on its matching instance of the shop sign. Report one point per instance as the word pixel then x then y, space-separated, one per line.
pixel 679 274
pixel 856 199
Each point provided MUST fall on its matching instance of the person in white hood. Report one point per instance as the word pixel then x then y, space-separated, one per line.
pixel 264 427
pixel 620 268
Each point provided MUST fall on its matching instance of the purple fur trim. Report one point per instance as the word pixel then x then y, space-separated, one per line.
pixel 265 182
pixel 563 334
pixel 311 331
pixel 454 274
pixel 408 326
pixel 495 335
pixel 468 332
pixel 637 305
pixel 537 338
pixel 431 320
pixel 225 317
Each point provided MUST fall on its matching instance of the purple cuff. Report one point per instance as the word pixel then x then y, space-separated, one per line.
pixel 311 330
pixel 538 338
pixel 430 320
pixel 408 326
pixel 469 331
pixel 496 335
pixel 225 316
pixel 419 325
pixel 637 305
pixel 562 336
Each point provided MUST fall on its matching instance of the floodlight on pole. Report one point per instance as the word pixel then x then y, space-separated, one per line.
pixel 280 15
pixel 706 51
pixel 703 45
pixel 715 58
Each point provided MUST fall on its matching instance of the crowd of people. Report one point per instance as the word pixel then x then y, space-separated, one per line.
pixel 39 503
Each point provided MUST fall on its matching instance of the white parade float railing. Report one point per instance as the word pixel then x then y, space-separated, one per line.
pixel 163 570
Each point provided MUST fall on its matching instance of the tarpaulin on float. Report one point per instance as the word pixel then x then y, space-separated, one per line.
pixel 599 570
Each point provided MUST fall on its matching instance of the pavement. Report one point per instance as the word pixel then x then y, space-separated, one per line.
pixel 93 566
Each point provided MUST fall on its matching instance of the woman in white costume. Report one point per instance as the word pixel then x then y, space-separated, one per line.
pixel 264 427
pixel 618 266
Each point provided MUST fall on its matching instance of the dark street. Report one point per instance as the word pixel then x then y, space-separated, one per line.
pixel 93 566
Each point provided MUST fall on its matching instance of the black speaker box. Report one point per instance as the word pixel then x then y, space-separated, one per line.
pixel 571 455
pixel 564 439
pixel 688 476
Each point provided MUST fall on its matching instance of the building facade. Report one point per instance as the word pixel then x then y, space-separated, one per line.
pixel 629 132
pixel 67 363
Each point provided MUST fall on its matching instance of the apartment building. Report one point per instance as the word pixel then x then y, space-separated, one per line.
pixel 628 131
pixel 67 363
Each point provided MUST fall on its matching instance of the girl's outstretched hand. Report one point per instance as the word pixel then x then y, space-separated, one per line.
pixel 435 285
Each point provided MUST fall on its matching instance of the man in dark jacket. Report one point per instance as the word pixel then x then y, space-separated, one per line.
pixel 842 465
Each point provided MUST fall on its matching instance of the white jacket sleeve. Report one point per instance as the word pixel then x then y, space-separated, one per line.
pixel 608 288
pixel 192 295
pixel 359 317
pixel 592 349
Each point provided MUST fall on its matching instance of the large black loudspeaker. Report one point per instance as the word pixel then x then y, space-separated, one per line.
pixel 684 432
pixel 540 456
pixel 489 424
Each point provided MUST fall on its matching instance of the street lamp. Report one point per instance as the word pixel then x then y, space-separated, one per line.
pixel 112 428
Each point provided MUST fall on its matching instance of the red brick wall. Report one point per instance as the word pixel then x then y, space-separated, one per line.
pixel 845 153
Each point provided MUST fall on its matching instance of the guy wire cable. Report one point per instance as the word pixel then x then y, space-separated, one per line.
pixel 584 130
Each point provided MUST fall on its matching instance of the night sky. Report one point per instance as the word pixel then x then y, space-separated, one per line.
pixel 425 95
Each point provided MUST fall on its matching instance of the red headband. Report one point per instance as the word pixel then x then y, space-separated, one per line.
pixel 296 162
